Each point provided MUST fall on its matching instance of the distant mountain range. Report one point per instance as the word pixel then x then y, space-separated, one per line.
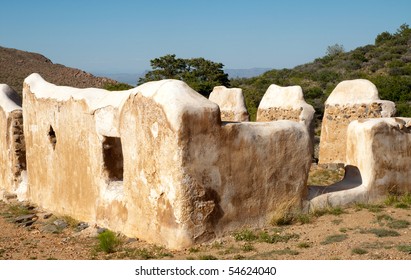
pixel 132 78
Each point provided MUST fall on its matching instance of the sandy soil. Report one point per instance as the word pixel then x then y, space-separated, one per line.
pixel 350 236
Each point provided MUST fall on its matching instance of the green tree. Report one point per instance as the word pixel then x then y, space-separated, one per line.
pixel 335 49
pixel 200 74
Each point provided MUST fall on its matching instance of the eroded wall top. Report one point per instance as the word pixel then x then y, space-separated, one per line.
pixel 9 99
pixel 350 100
pixel 231 102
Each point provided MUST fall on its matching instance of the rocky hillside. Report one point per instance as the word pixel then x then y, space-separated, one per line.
pixel 387 64
pixel 16 65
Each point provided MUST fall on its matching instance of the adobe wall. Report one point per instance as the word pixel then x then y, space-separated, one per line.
pixel 231 102
pixel 349 101
pixel 378 161
pixel 12 145
pixel 65 166
pixel 186 176
pixel 286 103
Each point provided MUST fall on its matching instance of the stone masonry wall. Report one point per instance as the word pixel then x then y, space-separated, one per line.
pixel 12 145
pixel 276 114
pixel 350 100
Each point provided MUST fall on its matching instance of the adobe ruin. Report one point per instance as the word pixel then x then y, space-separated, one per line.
pixel 12 145
pixel 378 160
pixel 350 100
pixel 286 103
pixel 231 102
pixel 156 162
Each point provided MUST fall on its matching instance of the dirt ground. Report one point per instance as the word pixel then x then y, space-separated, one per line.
pixel 377 231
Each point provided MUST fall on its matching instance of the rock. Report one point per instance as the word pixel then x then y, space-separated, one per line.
pixel 47 215
pixel 60 223
pixel 101 230
pixel 82 226
pixel 10 196
pixel 131 240
pixel 26 218
pixel 50 228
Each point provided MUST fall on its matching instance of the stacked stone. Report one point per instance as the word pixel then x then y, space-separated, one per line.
pixel 12 144
pixel 18 146
pixel 286 103
pixel 350 100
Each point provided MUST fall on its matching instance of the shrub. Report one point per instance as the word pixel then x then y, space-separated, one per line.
pixel 108 241
pixel 359 251
pixel 334 238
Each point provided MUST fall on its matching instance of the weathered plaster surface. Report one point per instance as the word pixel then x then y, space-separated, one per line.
pixel 187 177
pixel 349 101
pixel 12 144
pixel 231 102
pixel 286 103
pixel 378 158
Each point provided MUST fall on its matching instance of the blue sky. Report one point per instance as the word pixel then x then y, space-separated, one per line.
pixel 122 36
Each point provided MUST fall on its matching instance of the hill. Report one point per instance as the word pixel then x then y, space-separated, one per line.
pixel 387 63
pixel 16 65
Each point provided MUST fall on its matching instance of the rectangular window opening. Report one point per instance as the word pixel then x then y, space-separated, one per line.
pixel 113 158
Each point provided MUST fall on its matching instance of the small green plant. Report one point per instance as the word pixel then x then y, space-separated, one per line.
pixel 404 248
pixel 286 251
pixel 217 245
pixel 337 221
pixel 207 257
pixel 194 250
pixel 247 247
pixel 144 254
pixel 245 235
pixel 375 208
pixel 398 224
pixel 303 245
pixel 275 238
pixel 334 238
pixel 381 232
pixel 359 251
pixel 336 211
pixel 343 230
pixel 70 221
pixel 304 219
pixel 229 250
pixel 238 257
pixel 398 201
pixel 108 241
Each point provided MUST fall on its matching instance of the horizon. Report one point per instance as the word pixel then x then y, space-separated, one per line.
pixel 122 37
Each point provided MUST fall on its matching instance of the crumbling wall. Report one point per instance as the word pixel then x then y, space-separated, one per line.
pixel 12 145
pixel 203 178
pixel 231 102
pixel 350 100
pixel 378 160
pixel 65 153
pixel 187 177
pixel 286 103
